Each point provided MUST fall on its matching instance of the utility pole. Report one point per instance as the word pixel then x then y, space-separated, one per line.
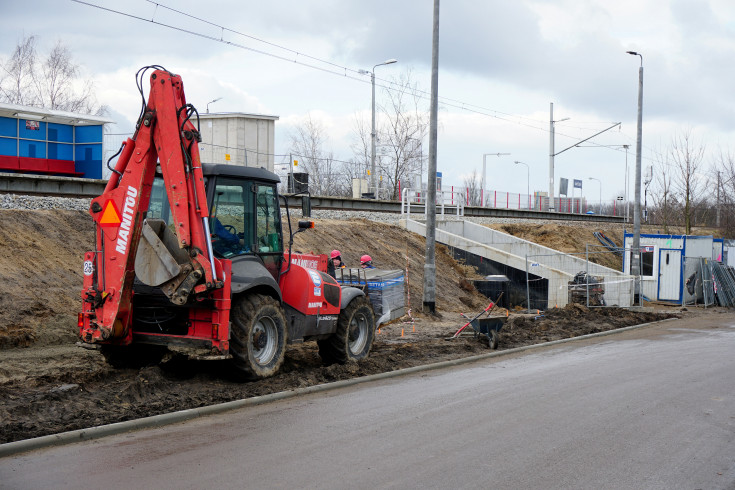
pixel 293 185
pixel 551 157
pixel 718 199
pixel 429 305
pixel 627 197
pixel 635 263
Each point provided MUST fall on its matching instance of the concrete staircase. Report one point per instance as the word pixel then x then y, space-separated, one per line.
pixel 557 267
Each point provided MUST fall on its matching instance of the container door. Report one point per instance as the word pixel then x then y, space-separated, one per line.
pixel 669 275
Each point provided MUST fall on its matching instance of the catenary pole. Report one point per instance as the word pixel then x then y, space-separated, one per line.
pixel 551 156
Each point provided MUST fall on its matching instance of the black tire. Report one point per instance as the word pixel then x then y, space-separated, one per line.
pixel 354 336
pixel 257 336
pixel 493 340
pixel 133 356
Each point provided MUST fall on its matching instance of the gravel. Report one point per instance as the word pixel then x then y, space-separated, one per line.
pixel 12 201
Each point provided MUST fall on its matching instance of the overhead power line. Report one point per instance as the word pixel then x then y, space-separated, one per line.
pixel 332 68
pixel 329 67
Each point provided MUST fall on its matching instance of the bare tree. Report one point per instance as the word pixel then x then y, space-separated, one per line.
pixel 666 206
pixel 406 123
pixel 686 156
pixel 402 125
pixel 17 74
pixel 307 146
pixel 52 83
pixel 361 151
pixel 725 167
pixel 472 184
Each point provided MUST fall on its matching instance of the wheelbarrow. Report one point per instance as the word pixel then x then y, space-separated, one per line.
pixel 490 328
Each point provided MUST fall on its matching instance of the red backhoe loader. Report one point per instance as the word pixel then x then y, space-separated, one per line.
pixel 192 256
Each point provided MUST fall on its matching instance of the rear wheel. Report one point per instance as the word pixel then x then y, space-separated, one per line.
pixel 354 336
pixel 258 336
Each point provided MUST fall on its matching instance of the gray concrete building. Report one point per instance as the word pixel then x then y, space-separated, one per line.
pixel 238 138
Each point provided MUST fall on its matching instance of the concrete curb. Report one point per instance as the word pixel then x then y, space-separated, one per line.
pixel 13 448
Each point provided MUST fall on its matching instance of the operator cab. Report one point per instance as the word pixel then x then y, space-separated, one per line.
pixel 245 216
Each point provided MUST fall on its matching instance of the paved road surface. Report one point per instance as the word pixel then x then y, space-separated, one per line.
pixel 647 409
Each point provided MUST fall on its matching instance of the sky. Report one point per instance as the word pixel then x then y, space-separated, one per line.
pixel 501 65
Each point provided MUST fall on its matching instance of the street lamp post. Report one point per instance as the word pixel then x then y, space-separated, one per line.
pixel 484 165
pixel 373 178
pixel 635 263
pixel 599 182
pixel 627 198
pixel 212 102
pixel 528 179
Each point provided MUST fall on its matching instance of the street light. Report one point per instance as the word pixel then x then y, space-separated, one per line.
pixel 528 179
pixel 212 102
pixel 627 198
pixel 635 267
pixel 372 134
pixel 482 188
pixel 599 182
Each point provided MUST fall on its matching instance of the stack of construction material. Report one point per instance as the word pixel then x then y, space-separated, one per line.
pixel 698 282
pixel 724 284
pixel 385 288
pixel 587 290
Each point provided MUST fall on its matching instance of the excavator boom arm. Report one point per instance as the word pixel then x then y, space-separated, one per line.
pixel 166 136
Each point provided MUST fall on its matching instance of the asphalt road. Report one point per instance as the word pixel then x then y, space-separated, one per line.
pixel 650 408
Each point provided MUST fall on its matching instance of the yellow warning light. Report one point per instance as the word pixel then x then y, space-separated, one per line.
pixel 110 214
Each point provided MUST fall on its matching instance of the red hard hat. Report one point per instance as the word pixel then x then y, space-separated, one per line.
pixel 335 254
pixel 365 258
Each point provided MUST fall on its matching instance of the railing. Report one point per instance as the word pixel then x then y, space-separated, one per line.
pixel 452 200
pixel 570 205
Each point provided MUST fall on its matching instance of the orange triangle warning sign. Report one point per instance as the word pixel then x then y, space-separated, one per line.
pixel 110 215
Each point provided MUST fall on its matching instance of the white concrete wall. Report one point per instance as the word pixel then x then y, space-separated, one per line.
pixel 557 267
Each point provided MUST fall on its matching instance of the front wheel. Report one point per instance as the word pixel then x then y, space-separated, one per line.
pixel 257 336
pixel 354 336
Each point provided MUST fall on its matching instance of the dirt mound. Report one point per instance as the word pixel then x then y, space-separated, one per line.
pixel 48 385
pixel 41 254
pixel 570 239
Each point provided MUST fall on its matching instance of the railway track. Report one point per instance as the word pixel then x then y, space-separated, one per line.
pixel 72 187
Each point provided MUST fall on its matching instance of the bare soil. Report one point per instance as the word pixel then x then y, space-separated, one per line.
pixel 49 385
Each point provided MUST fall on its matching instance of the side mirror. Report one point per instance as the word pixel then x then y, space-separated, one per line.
pixel 305 225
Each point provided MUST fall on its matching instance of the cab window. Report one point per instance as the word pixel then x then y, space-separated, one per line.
pixel 230 218
pixel 268 227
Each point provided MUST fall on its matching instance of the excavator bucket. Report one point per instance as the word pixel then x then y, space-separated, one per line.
pixel 159 258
